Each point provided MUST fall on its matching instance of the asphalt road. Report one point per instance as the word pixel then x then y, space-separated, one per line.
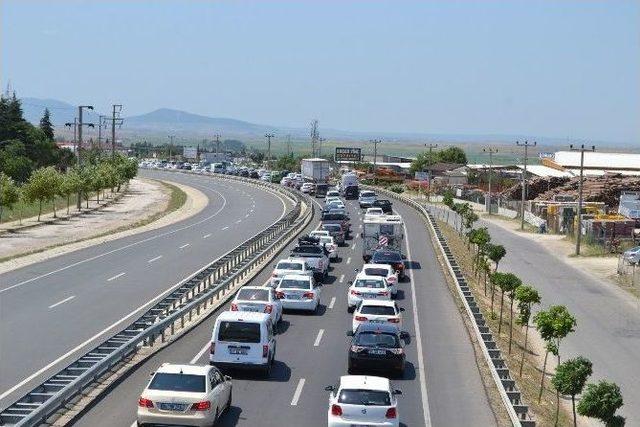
pixel 608 331
pixel 441 385
pixel 55 310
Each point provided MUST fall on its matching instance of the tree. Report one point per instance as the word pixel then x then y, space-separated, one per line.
pixel 481 238
pixel 570 378
pixel 70 184
pixel 14 161
pixel 495 253
pixel 453 155
pixel 526 296
pixel 449 155
pixel 601 401
pixel 86 182
pixel 553 325
pixel 461 209
pixel 447 199
pixel 43 185
pixel 508 283
pixel 9 193
pixel 46 126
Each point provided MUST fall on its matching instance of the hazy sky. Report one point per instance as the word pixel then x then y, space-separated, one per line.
pixel 548 68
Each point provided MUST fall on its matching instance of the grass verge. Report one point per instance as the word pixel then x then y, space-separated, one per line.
pixel 529 381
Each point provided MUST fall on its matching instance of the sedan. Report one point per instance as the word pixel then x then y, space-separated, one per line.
pixel 258 299
pixel 330 246
pixel 393 258
pixel 632 256
pixel 298 293
pixel 367 287
pixel 373 311
pixel 362 400
pixel 184 395
pixel 376 347
pixel 383 270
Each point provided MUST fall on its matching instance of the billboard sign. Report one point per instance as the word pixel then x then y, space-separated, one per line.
pixel 190 152
pixel 547 155
pixel 348 154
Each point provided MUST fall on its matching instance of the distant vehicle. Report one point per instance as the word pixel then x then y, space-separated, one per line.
pixel 347 180
pixel 217 168
pixel 632 256
pixel 319 233
pixel 351 193
pixel 381 232
pixel 321 190
pixel 314 256
pixel 385 205
pixel 335 218
pixel 367 198
pixel 292 266
pixel 375 311
pixel 184 395
pixel 330 246
pixel 391 257
pixel 373 212
pixel 243 340
pixel 363 400
pixel 333 193
pixel 258 299
pixel 298 293
pixel 315 170
pixel 367 287
pixel 329 199
pixel 336 231
pixel 376 347
pixel 307 188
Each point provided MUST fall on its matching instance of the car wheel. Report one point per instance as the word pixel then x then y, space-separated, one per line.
pixel 228 405
pixel 350 309
pixel 351 370
pixel 315 309
pixel 267 370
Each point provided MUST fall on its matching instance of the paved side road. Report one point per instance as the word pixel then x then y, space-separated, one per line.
pixel 444 388
pixel 608 331
pixel 51 312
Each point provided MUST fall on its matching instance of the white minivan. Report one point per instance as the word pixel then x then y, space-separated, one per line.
pixel 243 340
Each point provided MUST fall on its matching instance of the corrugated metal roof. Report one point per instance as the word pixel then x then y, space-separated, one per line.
pixel 545 171
pixel 598 160
pixel 600 172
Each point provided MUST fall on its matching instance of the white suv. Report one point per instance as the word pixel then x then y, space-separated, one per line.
pixel 184 395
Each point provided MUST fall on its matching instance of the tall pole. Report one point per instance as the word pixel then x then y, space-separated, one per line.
pixel 320 141
pixel 526 146
pixel 582 149
pixel 79 145
pixel 375 143
pixel 116 110
pixel 170 144
pixel 269 136
pixel 429 163
pixel 491 152
pixel 100 122
pixel 217 136
pixel 288 145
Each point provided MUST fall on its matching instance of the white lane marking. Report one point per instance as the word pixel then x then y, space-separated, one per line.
pixel 298 392
pixel 333 301
pixel 353 246
pixel 416 325
pixel 116 276
pixel 185 245
pixel 206 236
pixel 341 278
pixel 62 302
pixel 200 353
pixel 251 211
pixel 154 259
pixel 224 228
pixel 238 221
pixel 318 338
pixel 360 226
pixel 349 260
pixel 247 215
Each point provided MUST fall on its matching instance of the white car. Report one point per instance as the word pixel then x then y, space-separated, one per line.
pixel 298 293
pixel 334 204
pixel 330 199
pixel 367 198
pixel 383 270
pixel 333 193
pixel 184 395
pixel 330 246
pixel 367 287
pixel 373 213
pixel 319 233
pixel 375 311
pixel 632 256
pixel 258 299
pixel 307 187
pixel 291 266
pixel 363 400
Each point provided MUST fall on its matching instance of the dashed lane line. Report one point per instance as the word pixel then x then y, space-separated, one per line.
pixel 341 278
pixel 206 236
pixel 116 276
pixel 298 392
pixel 318 338
pixel 154 259
pixel 332 302
pixel 62 302
pixel 185 245
pixel 349 260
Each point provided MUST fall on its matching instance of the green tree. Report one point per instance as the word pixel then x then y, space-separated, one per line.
pixel 507 283
pixel 570 378
pixel 86 182
pixel 449 155
pixel 601 401
pixel 452 155
pixel 9 193
pixel 553 325
pixel 14 161
pixel 46 126
pixel 71 183
pixel 447 199
pixel 43 186
pixel 481 238
pixel 526 296
pixel 496 253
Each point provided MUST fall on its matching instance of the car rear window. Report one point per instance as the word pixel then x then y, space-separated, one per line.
pixel 239 332
pixel 332 227
pixel 367 194
pixel 254 294
pixel 369 283
pixel 289 266
pixel 378 310
pixel 178 382
pixel 387 257
pixel 364 397
pixel 307 250
pixel 383 272
pixel 377 339
pixel 294 284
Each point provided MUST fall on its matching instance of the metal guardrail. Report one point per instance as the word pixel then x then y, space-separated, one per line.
pixel 509 393
pixel 190 296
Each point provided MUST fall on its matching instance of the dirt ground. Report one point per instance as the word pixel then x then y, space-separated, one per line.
pixel 145 199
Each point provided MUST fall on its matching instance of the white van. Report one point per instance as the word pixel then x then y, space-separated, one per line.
pixel 243 340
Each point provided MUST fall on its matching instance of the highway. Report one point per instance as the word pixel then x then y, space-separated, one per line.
pixel 441 385
pixel 55 310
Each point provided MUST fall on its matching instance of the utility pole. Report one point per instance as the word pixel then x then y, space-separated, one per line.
pixel 269 136
pixel 217 137
pixel 430 163
pixel 80 124
pixel 526 146
pixel 289 145
pixel 170 144
pixel 491 152
pixel 581 149
pixel 320 141
pixel 314 137
pixel 116 110
pixel 375 143
pixel 75 140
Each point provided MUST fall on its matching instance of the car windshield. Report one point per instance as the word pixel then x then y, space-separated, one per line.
pixel 253 294
pixel 308 250
pixel 387 257
pixel 378 310
pixel 367 194
pixel 364 397
pixel 369 283
pixel 178 382
pixel 239 332
pixel 294 284
pixel 383 272
pixel 289 266
pixel 332 227
pixel 377 339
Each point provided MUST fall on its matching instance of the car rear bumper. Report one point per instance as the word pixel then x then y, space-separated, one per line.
pixel 333 421
pixel 198 419
pixel 304 304
pixel 394 363
pixel 239 365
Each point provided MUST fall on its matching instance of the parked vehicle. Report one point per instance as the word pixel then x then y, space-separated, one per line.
pixel 377 311
pixel 376 347
pixel 363 400
pixel 632 256
pixel 243 340
pixel 298 293
pixel 184 395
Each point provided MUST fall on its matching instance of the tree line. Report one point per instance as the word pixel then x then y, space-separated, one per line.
pixel 599 400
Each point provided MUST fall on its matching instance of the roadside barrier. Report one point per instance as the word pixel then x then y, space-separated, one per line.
pixel 182 303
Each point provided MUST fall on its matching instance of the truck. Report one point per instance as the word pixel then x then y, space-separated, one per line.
pixel 349 186
pixel 315 170
pixel 314 256
pixel 382 232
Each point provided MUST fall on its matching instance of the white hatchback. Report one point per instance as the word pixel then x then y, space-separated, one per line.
pixel 184 395
pixel 362 400
pixel 298 293
pixel 374 311
pixel 367 287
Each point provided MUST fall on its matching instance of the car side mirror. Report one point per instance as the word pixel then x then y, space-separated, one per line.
pixel 349 333
pixel 397 392
pixel 404 257
pixel 356 270
pixel 401 309
pixel 404 335
pixel 330 388
pixel 227 378
pixel 350 283
pixel 151 373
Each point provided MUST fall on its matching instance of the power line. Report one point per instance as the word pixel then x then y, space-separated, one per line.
pixel 375 143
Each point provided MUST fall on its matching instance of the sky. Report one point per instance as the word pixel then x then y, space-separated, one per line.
pixel 565 69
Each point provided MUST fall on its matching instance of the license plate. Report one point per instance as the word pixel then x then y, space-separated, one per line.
pixel 293 296
pixel 359 425
pixel 370 295
pixel 377 352
pixel 237 350
pixel 377 321
pixel 250 308
pixel 172 406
